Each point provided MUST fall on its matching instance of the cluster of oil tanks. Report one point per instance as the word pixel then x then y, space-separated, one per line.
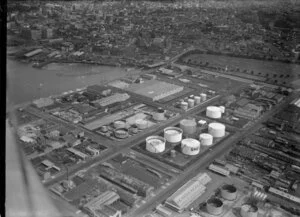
pixel 122 129
pixel 193 101
pixel 189 146
pixel 228 192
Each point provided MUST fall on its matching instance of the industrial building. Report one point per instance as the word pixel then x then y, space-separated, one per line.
pixel 249 111
pixel 154 89
pixel 100 206
pixel 93 151
pixel 78 153
pixel 50 165
pixel 163 211
pixel 118 97
pixel 43 102
pixel 127 182
pixel 188 193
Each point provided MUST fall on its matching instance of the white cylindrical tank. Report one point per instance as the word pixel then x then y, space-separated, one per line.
pixel 121 133
pixel 190 146
pixel 134 129
pixel 203 97
pixel 249 210
pixel 222 108
pixel 229 192
pixel 155 144
pixel 213 112
pixel 197 100
pixel 103 129
pixel 189 126
pixel 184 105
pixel 214 206
pixel 206 139
pixel 159 115
pixel 141 124
pixel 119 124
pixel 191 103
pixel 173 134
pixel 216 129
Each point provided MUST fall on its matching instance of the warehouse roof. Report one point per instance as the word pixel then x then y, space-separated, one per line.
pixel 106 198
pixel 189 192
pixel 152 88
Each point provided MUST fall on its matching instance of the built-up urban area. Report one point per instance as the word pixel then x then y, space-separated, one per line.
pixel 210 127
pixel 141 33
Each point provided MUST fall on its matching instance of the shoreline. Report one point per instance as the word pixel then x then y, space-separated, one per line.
pixel 210 52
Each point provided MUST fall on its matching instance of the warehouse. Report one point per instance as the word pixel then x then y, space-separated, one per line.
pixel 188 193
pixel 100 206
pixel 106 198
pixel 154 89
pixel 118 97
pixel 78 153
pixel 250 111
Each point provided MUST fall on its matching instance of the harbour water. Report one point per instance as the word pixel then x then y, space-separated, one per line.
pixel 25 83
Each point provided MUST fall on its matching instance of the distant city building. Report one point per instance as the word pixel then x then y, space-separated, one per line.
pixel 10 25
pixel 47 33
pixel 36 34
pixel 26 33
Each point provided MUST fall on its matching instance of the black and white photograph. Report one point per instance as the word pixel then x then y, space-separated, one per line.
pixel 151 108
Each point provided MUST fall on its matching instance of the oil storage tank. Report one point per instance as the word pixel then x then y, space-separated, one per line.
pixel 103 129
pixel 229 192
pixel 206 139
pixel 119 124
pixel 190 146
pixel 197 100
pixel 189 126
pixel 217 130
pixel 141 124
pixel 121 133
pixel 214 206
pixel 155 144
pixel 184 105
pixel 213 112
pixel 203 97
pixel 159 114
pixel 191 103
pixel 249 210
pixel 173 134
